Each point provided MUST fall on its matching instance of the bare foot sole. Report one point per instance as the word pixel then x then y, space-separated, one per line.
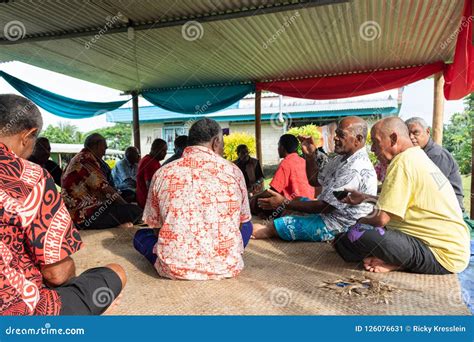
pixel 114 305
pixel 376 265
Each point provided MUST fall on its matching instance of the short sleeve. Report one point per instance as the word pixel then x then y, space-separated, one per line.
pixel 51 235
pixel 151 214
pixel 245 214
pixel 396 191
pixel 280 179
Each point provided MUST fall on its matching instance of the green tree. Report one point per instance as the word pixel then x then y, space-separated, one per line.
pixel 64 133
pixel 118 137
pixel 457 137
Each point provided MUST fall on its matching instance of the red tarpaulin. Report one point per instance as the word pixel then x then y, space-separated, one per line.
pixel 334 87
pixel 459 76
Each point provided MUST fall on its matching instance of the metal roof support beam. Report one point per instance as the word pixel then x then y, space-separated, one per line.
pixel 157 24
pixel 438 108
pixel 258 124
pixel 136 121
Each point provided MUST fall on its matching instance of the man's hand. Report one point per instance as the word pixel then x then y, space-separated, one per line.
pixel 308 147
pixel 58 273
pixel 354 197
pixel 273 202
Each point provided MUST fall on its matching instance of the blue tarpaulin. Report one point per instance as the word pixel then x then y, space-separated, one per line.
pixel 60 105
pixel 198 100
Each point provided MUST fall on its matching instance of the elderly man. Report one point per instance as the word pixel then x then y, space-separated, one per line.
pixel 125 174
pixel 91 200
pixel 420 136
pixel 327 216
pixel 37 274
pixel 418 223
pixel 200 203
pixel 40 156
pixel 147 168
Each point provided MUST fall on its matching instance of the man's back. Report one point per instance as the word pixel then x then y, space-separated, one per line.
pixel 290 178
pixel 421 203
pixel 36 230
pixel 199 202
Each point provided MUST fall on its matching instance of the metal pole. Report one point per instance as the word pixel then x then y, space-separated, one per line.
pixel 258 124
pixel 136 121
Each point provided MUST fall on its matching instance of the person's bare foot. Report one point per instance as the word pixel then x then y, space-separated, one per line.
pixel 376 265
pixel 263 231
pixel 126 225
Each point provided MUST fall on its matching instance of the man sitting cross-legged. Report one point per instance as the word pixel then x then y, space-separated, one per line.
pixel 201 206
pixel 91 200
pixel 326 216
pixel 419 224
pixel 37 274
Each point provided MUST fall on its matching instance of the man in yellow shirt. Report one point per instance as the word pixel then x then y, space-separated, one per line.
pixel 417 223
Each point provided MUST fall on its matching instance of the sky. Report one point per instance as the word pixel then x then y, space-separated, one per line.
pixel 417 97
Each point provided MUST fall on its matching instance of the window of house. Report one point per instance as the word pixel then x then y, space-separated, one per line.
pixel 170 133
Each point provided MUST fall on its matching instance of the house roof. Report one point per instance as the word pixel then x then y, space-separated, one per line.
pixel 204 42
pixel 380 104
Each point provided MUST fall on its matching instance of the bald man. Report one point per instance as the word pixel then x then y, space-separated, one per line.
pixel 327 216
pixel 417 224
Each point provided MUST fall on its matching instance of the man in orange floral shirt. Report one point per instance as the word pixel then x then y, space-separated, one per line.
pixel 200 204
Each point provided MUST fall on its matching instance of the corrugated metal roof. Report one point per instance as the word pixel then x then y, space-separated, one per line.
pixel 356 36
pixel 236 112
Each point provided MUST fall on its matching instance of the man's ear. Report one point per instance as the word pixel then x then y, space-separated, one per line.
pixel 428 130
pixel 215 144
pixel 27 135
pixel 393 139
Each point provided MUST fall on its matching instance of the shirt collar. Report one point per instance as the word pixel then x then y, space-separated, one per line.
pixel 362 150
pixel 429 145
pixel 197 149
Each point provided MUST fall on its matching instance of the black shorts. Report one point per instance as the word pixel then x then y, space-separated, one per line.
pixel 91 293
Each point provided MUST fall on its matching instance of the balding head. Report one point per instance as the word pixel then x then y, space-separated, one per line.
pixel 96 144
pixel 390 137
pixel 351 134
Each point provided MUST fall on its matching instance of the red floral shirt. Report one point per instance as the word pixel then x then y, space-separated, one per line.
pixel 36 230
pixel 82 184
pixel 199 202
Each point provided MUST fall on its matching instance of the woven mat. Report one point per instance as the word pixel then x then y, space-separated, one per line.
pixel 279 278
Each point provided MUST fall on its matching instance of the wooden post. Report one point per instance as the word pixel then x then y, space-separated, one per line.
pixel 438 108
pixel 258 124
pixel 136 121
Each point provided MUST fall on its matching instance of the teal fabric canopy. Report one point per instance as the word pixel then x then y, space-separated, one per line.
pixel 60 105
pixel 198 101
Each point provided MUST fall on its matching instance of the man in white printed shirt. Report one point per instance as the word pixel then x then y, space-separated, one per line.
pixel 351 169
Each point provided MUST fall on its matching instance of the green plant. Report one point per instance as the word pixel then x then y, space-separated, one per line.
pixel 308 130
pixel 457 135
pixel 233 140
